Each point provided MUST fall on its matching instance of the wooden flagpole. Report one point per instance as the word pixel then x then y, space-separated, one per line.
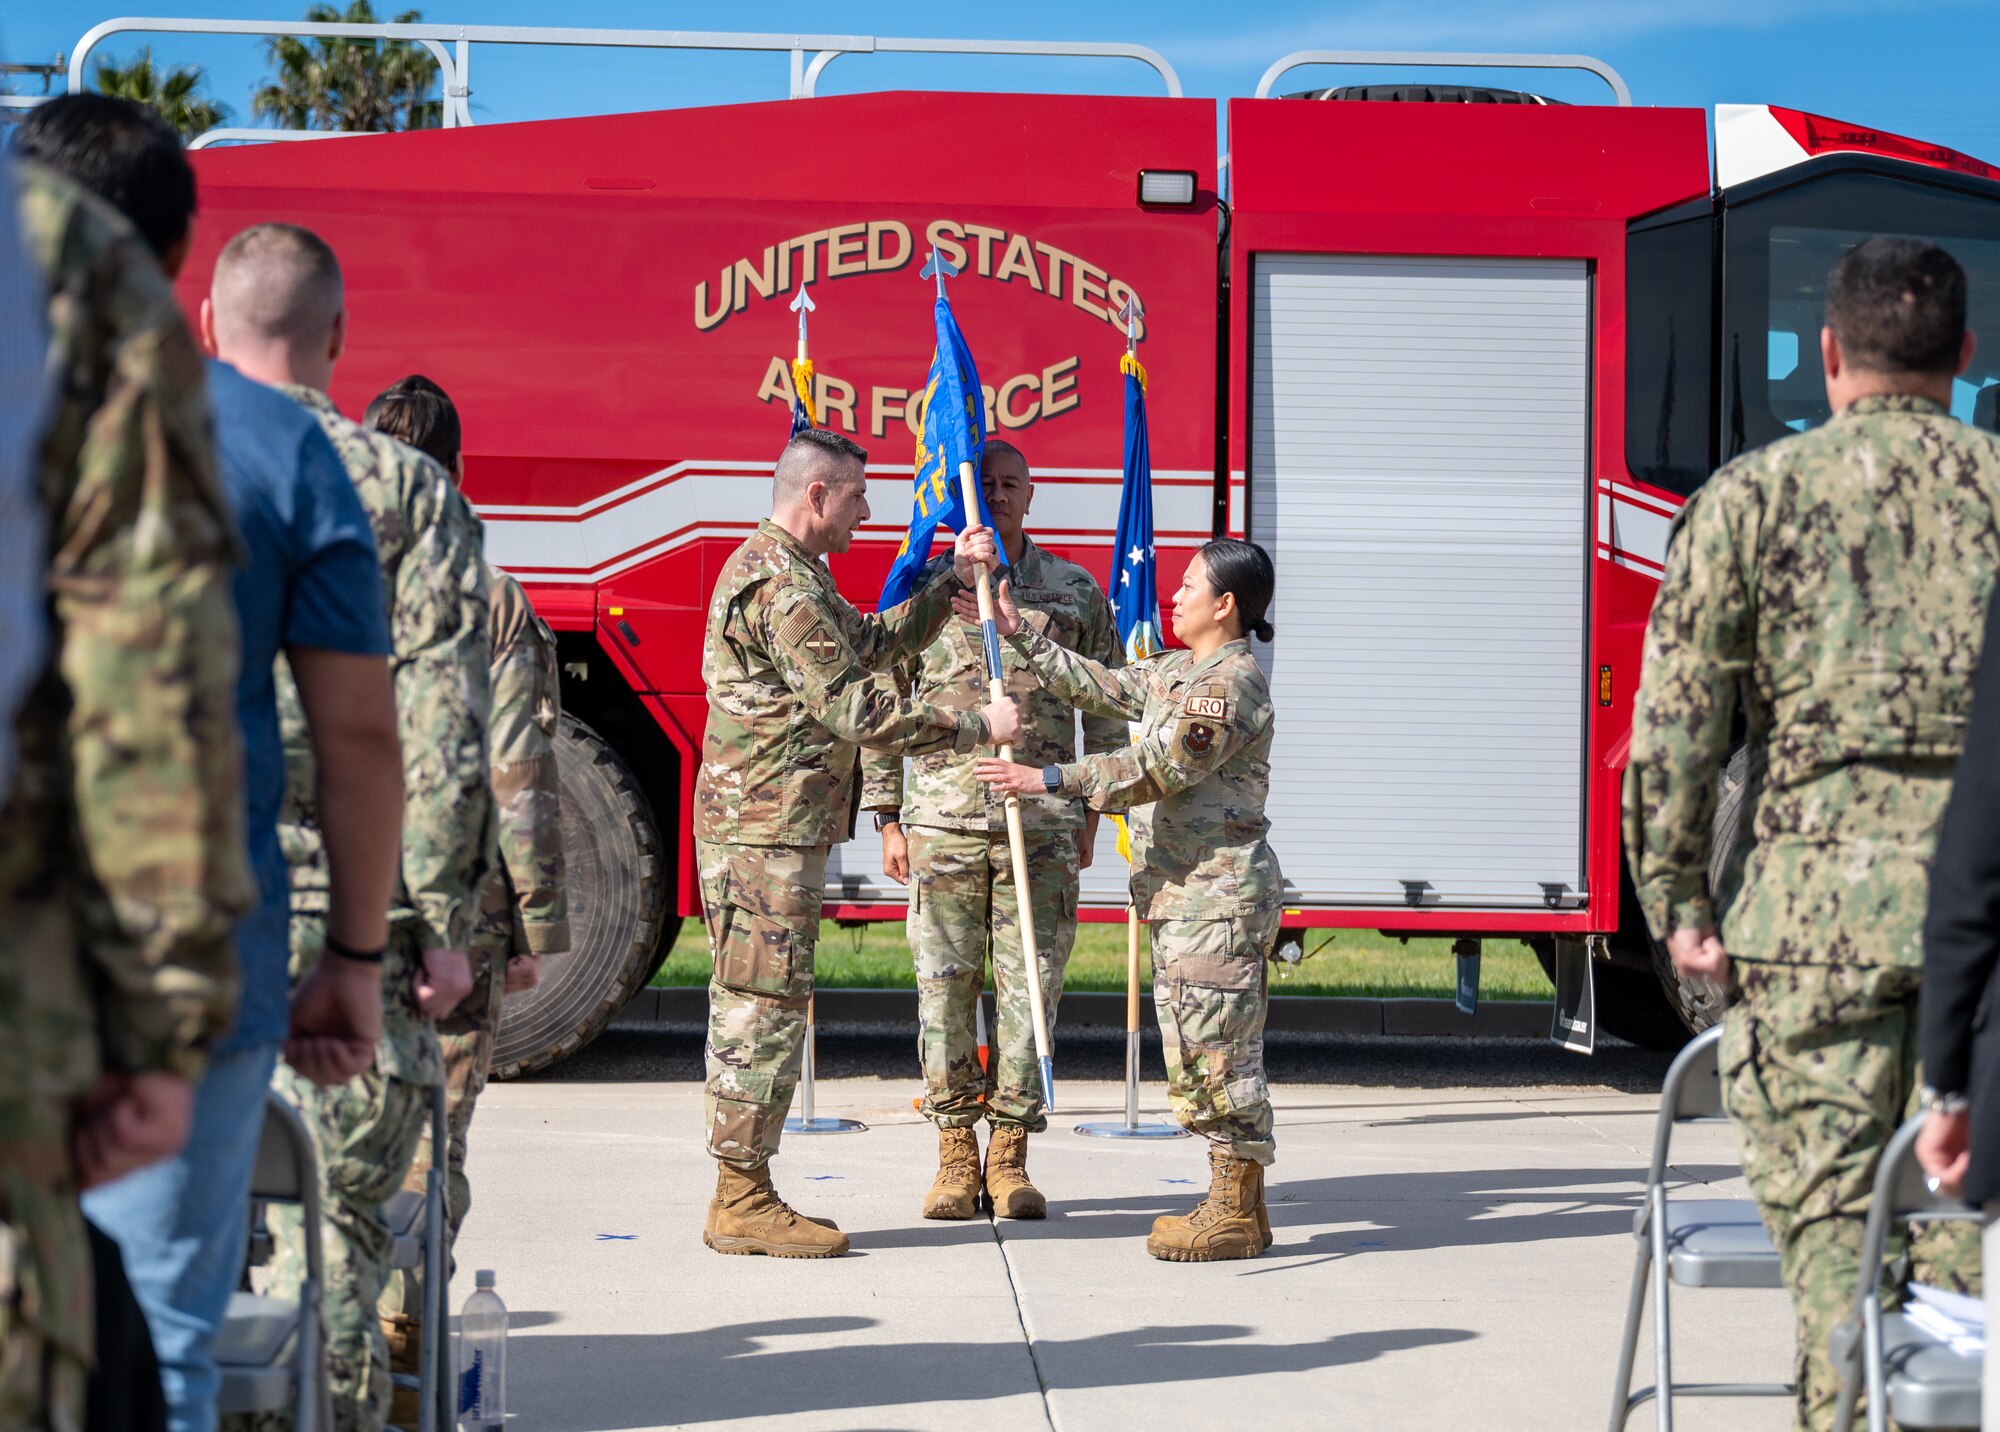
pixel 996 690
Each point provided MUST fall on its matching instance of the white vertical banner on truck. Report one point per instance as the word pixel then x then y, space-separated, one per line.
pixel 1419 470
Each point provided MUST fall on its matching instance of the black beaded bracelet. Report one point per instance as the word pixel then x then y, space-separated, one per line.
pixel 360 957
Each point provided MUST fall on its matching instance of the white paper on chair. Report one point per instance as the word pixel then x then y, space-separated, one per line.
pixel 1951 1318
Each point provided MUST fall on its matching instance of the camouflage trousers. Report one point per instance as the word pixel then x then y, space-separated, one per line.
pixel 45 1280
pixel 1211 987
pixel 962 908
pixel 1819 1067
pixel 466 1039
pixel 364 1132
pixel 761 904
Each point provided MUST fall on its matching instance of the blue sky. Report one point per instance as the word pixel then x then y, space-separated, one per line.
pixel 1922 69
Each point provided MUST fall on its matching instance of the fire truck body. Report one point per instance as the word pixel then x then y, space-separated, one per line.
pixel 1455 365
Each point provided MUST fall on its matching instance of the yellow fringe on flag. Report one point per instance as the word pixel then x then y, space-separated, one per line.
pixel 802 384
pixel 1130 364
pixel 1124 830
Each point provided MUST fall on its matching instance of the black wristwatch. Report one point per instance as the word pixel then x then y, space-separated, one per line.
pixel 1051 779
pixel 887 817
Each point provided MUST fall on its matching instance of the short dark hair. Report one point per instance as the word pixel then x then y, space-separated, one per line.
pixel 809 455
pixel 1001 445
pixel 1897 305
pixel 1244 571
pixel 120 151
pixel 417 411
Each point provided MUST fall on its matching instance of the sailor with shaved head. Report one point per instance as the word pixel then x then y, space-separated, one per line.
pixel 790 666
pixel 276 311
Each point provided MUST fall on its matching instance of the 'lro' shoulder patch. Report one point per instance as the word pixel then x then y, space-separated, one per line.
pixel 804 629
pixel 1213 708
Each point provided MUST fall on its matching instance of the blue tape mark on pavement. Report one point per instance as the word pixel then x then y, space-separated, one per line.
pixel 616 1237
pixel 823 1177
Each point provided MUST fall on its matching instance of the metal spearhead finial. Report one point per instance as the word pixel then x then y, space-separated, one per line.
pixel 1132 312
pixel 802 305
pixel 940 268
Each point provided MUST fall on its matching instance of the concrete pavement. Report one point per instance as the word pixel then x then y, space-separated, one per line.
pixel 1445 1258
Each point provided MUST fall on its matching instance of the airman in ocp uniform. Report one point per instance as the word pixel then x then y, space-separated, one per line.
pixel 1835 584
pixel 524 904
pixel 946 835
pixel 790 668
pixel 1195 780
pixel 123 861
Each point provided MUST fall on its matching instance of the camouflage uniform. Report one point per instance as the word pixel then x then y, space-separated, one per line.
pixel 122 852
pixel 1838 581
pixel 787 663
pixel 1195 780
pixel 962 898
pixel 367 1130
pixel 523 907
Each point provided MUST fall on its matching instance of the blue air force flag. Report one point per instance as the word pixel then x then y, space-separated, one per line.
pixel 1135 595
pixel 954 431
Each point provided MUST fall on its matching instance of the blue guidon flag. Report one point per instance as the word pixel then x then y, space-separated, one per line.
pixel 954 431
pixel 1135 593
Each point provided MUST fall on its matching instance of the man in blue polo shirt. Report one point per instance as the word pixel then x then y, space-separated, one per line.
pixel 311 591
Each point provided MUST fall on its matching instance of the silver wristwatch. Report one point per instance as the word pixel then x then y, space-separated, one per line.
pixel 1936 1102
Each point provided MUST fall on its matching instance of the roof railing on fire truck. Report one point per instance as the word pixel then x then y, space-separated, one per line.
pixel 455 62
pixel 1412 59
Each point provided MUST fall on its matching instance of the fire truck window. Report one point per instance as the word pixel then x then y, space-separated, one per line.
pixel 1779 250
pixel 1669 348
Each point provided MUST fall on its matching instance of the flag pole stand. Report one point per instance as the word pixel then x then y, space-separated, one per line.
pixel 807 1121
pixel 1131 1127
pixel 1017 841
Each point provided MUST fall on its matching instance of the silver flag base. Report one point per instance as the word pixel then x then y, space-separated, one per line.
pixel 1123 1130
pixel 825 1126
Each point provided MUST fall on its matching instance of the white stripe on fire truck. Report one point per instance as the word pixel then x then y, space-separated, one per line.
pixel 709 500
pixel 1632 527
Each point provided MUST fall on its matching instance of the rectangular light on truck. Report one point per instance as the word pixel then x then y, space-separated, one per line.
pixel 1173 187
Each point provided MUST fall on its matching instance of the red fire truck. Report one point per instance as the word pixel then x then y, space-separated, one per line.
pixel 1456 364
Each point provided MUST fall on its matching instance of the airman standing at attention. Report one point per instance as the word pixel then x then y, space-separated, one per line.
pixel 123 860
pixel 945 835
pixel 1834 584
pixel 791 692
pixel 524 906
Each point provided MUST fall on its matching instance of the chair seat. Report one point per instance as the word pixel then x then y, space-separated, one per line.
pixel 250 1350
pixel 1930 1385
pixel 404 1213
pixel 1719 1243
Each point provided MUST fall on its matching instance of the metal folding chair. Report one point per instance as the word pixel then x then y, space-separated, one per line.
pixel 418 1223
pixel 258 1373
pixel 1695 1242
pixel 1909 1373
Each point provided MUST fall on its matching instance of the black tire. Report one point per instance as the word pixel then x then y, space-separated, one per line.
pixel 1640 996
pixel 619 883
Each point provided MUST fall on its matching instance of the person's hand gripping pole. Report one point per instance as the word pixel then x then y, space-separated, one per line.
pixel 996 690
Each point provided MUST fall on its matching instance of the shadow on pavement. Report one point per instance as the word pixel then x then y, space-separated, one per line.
pixel 650 1052
pixel 745 1371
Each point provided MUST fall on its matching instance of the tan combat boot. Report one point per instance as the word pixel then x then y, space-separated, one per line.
pixel 1226 1224
pixel 1008 1192
pixel 955 1191
pixel 747 1216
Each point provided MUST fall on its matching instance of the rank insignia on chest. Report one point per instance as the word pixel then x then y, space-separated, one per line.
pixel 1196 736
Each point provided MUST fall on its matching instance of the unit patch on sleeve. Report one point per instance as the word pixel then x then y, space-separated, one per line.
pixel 802 628
pixel 1198 738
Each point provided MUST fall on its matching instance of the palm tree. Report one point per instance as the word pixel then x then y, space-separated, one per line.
pixel 173 94
pixel 359 85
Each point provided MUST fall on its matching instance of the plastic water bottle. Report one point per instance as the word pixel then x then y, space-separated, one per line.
pixel 482 1359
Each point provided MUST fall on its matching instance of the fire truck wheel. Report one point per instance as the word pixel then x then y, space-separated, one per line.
pixel 618 897
pixel 1640 996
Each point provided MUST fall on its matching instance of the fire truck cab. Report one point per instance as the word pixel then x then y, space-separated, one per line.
pixel 1455 358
